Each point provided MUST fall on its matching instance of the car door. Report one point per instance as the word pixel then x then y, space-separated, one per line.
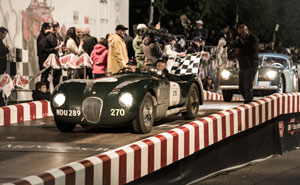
pixel 174 97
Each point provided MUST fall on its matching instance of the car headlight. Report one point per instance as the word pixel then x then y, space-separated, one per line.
pixel 58 100
pixel 126 99
pixel 225 74
pixel 271 74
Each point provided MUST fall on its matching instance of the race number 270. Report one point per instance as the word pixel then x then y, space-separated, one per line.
pixel 117 112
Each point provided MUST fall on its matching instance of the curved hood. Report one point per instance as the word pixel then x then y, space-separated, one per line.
pixel 103 86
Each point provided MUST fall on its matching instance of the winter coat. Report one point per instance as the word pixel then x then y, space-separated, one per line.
pixel 169 52
pixel 151 50
pixel 99 56
pixel 40 42
pixel 39 95
pixel 46 44
pixel 117 56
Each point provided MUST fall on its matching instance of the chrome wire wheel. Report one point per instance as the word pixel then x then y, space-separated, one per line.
pixel 143 122
pixel 148 112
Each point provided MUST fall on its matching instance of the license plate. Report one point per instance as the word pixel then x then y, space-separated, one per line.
pixel 264 83
pixel 70 113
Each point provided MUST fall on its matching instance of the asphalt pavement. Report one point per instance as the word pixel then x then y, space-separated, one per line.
pixel 278 170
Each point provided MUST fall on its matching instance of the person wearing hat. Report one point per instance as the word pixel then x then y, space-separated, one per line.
pixel 137 45
pixel 117 56
pixel 161 66
pixel 196 46
pixel 200 31
pixel 132 65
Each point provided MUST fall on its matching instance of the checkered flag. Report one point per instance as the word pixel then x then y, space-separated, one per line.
pixel 188 65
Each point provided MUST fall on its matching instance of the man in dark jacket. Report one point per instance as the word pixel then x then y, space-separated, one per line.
pixel 40 42
pixel 247 52
pixel 3 50
pixel 50 45
pixel 88 41
pixel 88 45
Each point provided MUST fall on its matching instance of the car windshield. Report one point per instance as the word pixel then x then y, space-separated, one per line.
pixel 273 61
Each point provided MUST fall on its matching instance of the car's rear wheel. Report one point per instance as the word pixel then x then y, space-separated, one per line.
pixel 65 127
pixel 193 103
pixel 143 123
pixel 227 95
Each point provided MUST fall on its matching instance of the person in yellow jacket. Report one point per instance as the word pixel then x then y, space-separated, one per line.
pixel 117 57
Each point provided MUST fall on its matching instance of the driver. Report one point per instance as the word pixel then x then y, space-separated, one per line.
pixel 132 65
pixel 161 66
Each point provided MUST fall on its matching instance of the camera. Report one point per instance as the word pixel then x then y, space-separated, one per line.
pixel 160 36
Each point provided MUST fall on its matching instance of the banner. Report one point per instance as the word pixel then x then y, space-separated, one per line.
pixel 289 131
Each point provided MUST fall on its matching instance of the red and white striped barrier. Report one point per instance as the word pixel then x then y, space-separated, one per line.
pixel 40 109
pixel 216 96
pixel 138 159
pixel 23 112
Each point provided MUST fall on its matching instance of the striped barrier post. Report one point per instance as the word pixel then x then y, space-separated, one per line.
pixel 23 112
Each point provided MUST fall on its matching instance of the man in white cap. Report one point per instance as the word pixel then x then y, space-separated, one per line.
pixel 137 45
pixel 200 31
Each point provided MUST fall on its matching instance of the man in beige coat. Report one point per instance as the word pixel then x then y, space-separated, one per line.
pixel 117 57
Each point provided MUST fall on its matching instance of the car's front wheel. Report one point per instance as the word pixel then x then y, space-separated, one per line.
pixel 281 85
pixel 143 123
pixel 65 127
pixel 227 95
pixel 193 103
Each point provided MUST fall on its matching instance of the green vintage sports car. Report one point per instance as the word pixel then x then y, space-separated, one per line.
pixel 135 98
pixel 276 74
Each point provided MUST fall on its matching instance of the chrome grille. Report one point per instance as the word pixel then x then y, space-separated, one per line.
pixel 92 109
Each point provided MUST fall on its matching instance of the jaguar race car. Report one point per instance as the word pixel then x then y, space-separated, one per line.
pixel 276 74
pixel 135 98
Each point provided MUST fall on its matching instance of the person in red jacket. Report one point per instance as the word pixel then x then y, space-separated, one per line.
pixel 99 56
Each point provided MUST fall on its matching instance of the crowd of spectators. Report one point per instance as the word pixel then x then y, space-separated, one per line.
pixel 113 52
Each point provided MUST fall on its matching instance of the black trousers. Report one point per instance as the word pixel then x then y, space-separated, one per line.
pixel 56 76
pixel 246 78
